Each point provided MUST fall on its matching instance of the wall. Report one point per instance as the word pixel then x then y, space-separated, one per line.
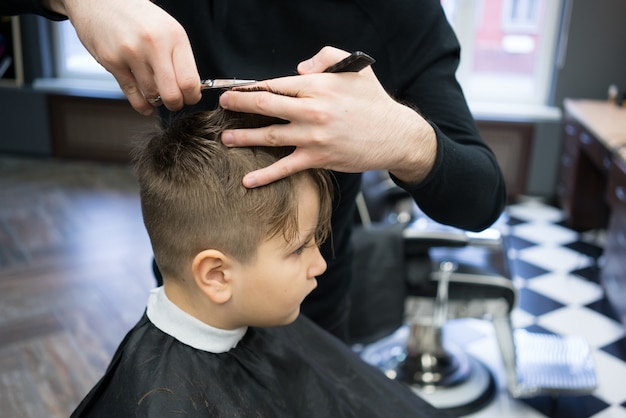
pixel 24 126
pixel 596 50
pixel 594 58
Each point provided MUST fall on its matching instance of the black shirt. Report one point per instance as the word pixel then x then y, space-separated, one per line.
pixel 416 56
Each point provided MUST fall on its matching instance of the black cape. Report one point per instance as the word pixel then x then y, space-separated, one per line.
pixel 297 370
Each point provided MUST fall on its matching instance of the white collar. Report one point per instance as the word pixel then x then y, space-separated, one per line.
pixel 172 320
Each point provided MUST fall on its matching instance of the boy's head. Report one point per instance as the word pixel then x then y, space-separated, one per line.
pixel 192 197
pixel 193 200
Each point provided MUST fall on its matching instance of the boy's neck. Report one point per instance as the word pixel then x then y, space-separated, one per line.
pixel 195 303
pixel 173 321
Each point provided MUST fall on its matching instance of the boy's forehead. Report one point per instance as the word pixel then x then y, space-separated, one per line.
pixel 280 242
pixel 307 216
pixel 308 209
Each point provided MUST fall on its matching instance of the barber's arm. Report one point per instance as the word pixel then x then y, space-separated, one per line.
pixel 465 187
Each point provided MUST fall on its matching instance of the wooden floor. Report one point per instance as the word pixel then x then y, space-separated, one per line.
pixel 75 271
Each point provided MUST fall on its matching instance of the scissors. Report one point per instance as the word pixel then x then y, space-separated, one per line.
pixel 212 83
pixel 224 83
pixel 354 62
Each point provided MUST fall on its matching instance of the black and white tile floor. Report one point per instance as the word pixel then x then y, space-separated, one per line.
pixel 556 271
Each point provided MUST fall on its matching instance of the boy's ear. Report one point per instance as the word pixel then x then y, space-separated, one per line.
pixel 212 272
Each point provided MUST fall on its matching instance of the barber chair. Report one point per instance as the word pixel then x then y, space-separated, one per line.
pixel 413 275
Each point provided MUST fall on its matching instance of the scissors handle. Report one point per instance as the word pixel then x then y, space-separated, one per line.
pixel 353 63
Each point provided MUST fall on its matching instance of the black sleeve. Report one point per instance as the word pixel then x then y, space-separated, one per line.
pixel 21 7
pixel 466 187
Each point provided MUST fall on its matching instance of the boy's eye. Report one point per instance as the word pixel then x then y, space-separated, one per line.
pixel 300 250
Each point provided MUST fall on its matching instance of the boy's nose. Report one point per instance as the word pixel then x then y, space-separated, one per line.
pixel 318 264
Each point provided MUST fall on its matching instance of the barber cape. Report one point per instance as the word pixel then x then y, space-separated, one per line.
pixel 171 364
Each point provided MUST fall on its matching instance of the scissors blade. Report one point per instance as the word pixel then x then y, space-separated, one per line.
pixel 224 83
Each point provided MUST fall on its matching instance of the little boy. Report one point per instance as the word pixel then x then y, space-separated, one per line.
pixel 223 335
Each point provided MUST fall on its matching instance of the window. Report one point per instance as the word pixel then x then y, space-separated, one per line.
pixel 72 59
pixel 523 15
pixel 508 48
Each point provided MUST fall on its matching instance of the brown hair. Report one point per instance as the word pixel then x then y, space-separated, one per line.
pixel 192 197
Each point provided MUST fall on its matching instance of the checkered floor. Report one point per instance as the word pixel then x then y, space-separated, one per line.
pixel 556 271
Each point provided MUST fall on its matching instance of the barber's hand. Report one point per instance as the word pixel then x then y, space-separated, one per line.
pixel 146 50
pixel 341 121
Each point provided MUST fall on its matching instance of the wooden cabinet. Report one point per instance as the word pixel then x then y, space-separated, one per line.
pixel 95 128
pixel 592 184
pixel 592 133
pixel 613 274
pixel 582 179
pixel 511 142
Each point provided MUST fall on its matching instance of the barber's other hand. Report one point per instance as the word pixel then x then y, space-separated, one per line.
pixel 146 50
pixel 340 121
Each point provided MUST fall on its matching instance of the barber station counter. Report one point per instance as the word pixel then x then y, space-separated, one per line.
pixel 592 187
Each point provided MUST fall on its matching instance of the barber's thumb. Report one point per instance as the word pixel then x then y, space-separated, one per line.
pixel 308 67
pixel 319 62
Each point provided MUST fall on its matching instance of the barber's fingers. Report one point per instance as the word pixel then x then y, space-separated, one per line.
pixel 170 77
pixel 286 166
pixel 277 135
pixel 135 96
pixel 175 76
pixel 187 76
pixel 312 97
pixel 326 57
pixel 285 105
pixel 310 151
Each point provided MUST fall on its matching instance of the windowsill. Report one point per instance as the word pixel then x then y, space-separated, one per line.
pixel 108 89
pixel 515 112
pixel 98 89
